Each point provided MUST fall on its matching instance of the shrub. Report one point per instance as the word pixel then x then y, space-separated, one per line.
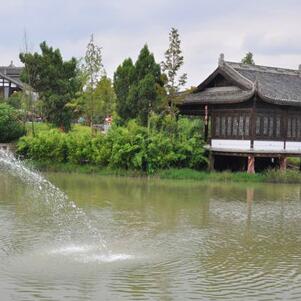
pixel 49 146
pixel 165 144
pixel 11 127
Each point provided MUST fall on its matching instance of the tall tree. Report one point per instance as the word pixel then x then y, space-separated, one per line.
pixel 171 66
pixel 248 59
pixel 123 80
pixel 105 98
pixel 139 87
pixel 27 93
pixel 94 69
pixel 55 80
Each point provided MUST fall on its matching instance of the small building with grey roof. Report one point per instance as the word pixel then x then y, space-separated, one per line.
pixel 10 80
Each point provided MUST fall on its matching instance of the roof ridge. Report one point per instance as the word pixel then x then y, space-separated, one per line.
pixel 263 68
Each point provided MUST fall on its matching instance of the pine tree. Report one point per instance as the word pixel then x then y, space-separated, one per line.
pixel 248 59
pixel 123 80
pixel 172 64
pixel 55 80
pixel 138 87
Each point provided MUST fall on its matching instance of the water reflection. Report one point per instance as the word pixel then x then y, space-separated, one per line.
pixel 175 240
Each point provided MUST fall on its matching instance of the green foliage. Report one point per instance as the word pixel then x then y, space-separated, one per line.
pixel 139 87
pixel 49 145
pixel 173 62
pixel 248 59
pixel 123 79
pixel 105 99
pixel 93 69
pixel 93 66
pixel 278 176
pixel 99 102
pixel 166 144
pixel 11 127
pixel 15 100
pixel 55 80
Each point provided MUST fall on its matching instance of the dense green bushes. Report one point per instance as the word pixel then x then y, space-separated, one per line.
pixel 167 143
pixel 11 127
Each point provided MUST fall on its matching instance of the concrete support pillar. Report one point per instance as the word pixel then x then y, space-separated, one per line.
pixel 251 164
pixel 283 163
pixel 211 162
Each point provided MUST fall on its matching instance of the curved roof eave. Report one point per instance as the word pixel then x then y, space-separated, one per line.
pixel 16 82
pixel 280 102
pixel 229 73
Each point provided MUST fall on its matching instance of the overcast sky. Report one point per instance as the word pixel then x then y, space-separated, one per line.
pixel 271 29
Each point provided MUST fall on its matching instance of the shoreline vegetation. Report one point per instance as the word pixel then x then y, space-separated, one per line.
pixel 269 176
pixel 79 152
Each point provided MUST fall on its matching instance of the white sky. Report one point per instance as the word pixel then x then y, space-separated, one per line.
pixel 268 28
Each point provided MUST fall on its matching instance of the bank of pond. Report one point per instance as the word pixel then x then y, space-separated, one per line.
pixel 168 149
pixel 268 176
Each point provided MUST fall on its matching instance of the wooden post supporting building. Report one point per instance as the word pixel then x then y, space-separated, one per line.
pixel 211 162
pixel 283 163
pixel 251 164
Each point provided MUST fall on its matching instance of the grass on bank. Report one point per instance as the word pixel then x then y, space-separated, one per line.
pixel 40 127
pixel 269 176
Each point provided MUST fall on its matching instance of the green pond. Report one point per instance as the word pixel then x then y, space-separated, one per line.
pixel 148 239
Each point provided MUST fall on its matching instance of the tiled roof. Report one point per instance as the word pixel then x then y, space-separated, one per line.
pixel 275 85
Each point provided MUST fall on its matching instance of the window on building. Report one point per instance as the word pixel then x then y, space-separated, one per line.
pixel 235 126
pixel 229 126
pixel 289 127
pixel 247 126
pixel 278 120
pixel 223 125
pixel 217 125
pixel 265 125
pixel 257 125
pixel 271 126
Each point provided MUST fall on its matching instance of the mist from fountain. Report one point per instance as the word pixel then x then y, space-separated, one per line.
pixel 74 226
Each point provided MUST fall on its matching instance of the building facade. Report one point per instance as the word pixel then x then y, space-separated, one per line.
pixel 250 112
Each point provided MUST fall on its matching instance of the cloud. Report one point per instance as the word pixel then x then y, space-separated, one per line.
pixel 270 29
pixel 274 43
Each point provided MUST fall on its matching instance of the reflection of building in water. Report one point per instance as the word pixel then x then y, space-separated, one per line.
pixel 254 113
pixel 10 80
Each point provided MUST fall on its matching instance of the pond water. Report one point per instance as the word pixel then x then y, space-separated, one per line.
pixel 140 239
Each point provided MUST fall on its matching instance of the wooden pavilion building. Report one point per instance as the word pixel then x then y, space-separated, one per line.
pixel 252 115
pixel 10 80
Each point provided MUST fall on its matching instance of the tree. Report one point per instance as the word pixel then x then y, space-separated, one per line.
pixel 139 87
pixel 93 68
pixel 55 80
pixel 27 93
pixel 171 66
pixel 123 80
pixel 105 98
pixel 104 101
pixel 248 59
pixel 11 126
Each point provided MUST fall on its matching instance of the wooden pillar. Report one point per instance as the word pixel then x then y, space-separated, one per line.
pixel 283 163
pixel 206 132
pixel 251 164
pixel 211 161
pixel 253 123
pixel 206 118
